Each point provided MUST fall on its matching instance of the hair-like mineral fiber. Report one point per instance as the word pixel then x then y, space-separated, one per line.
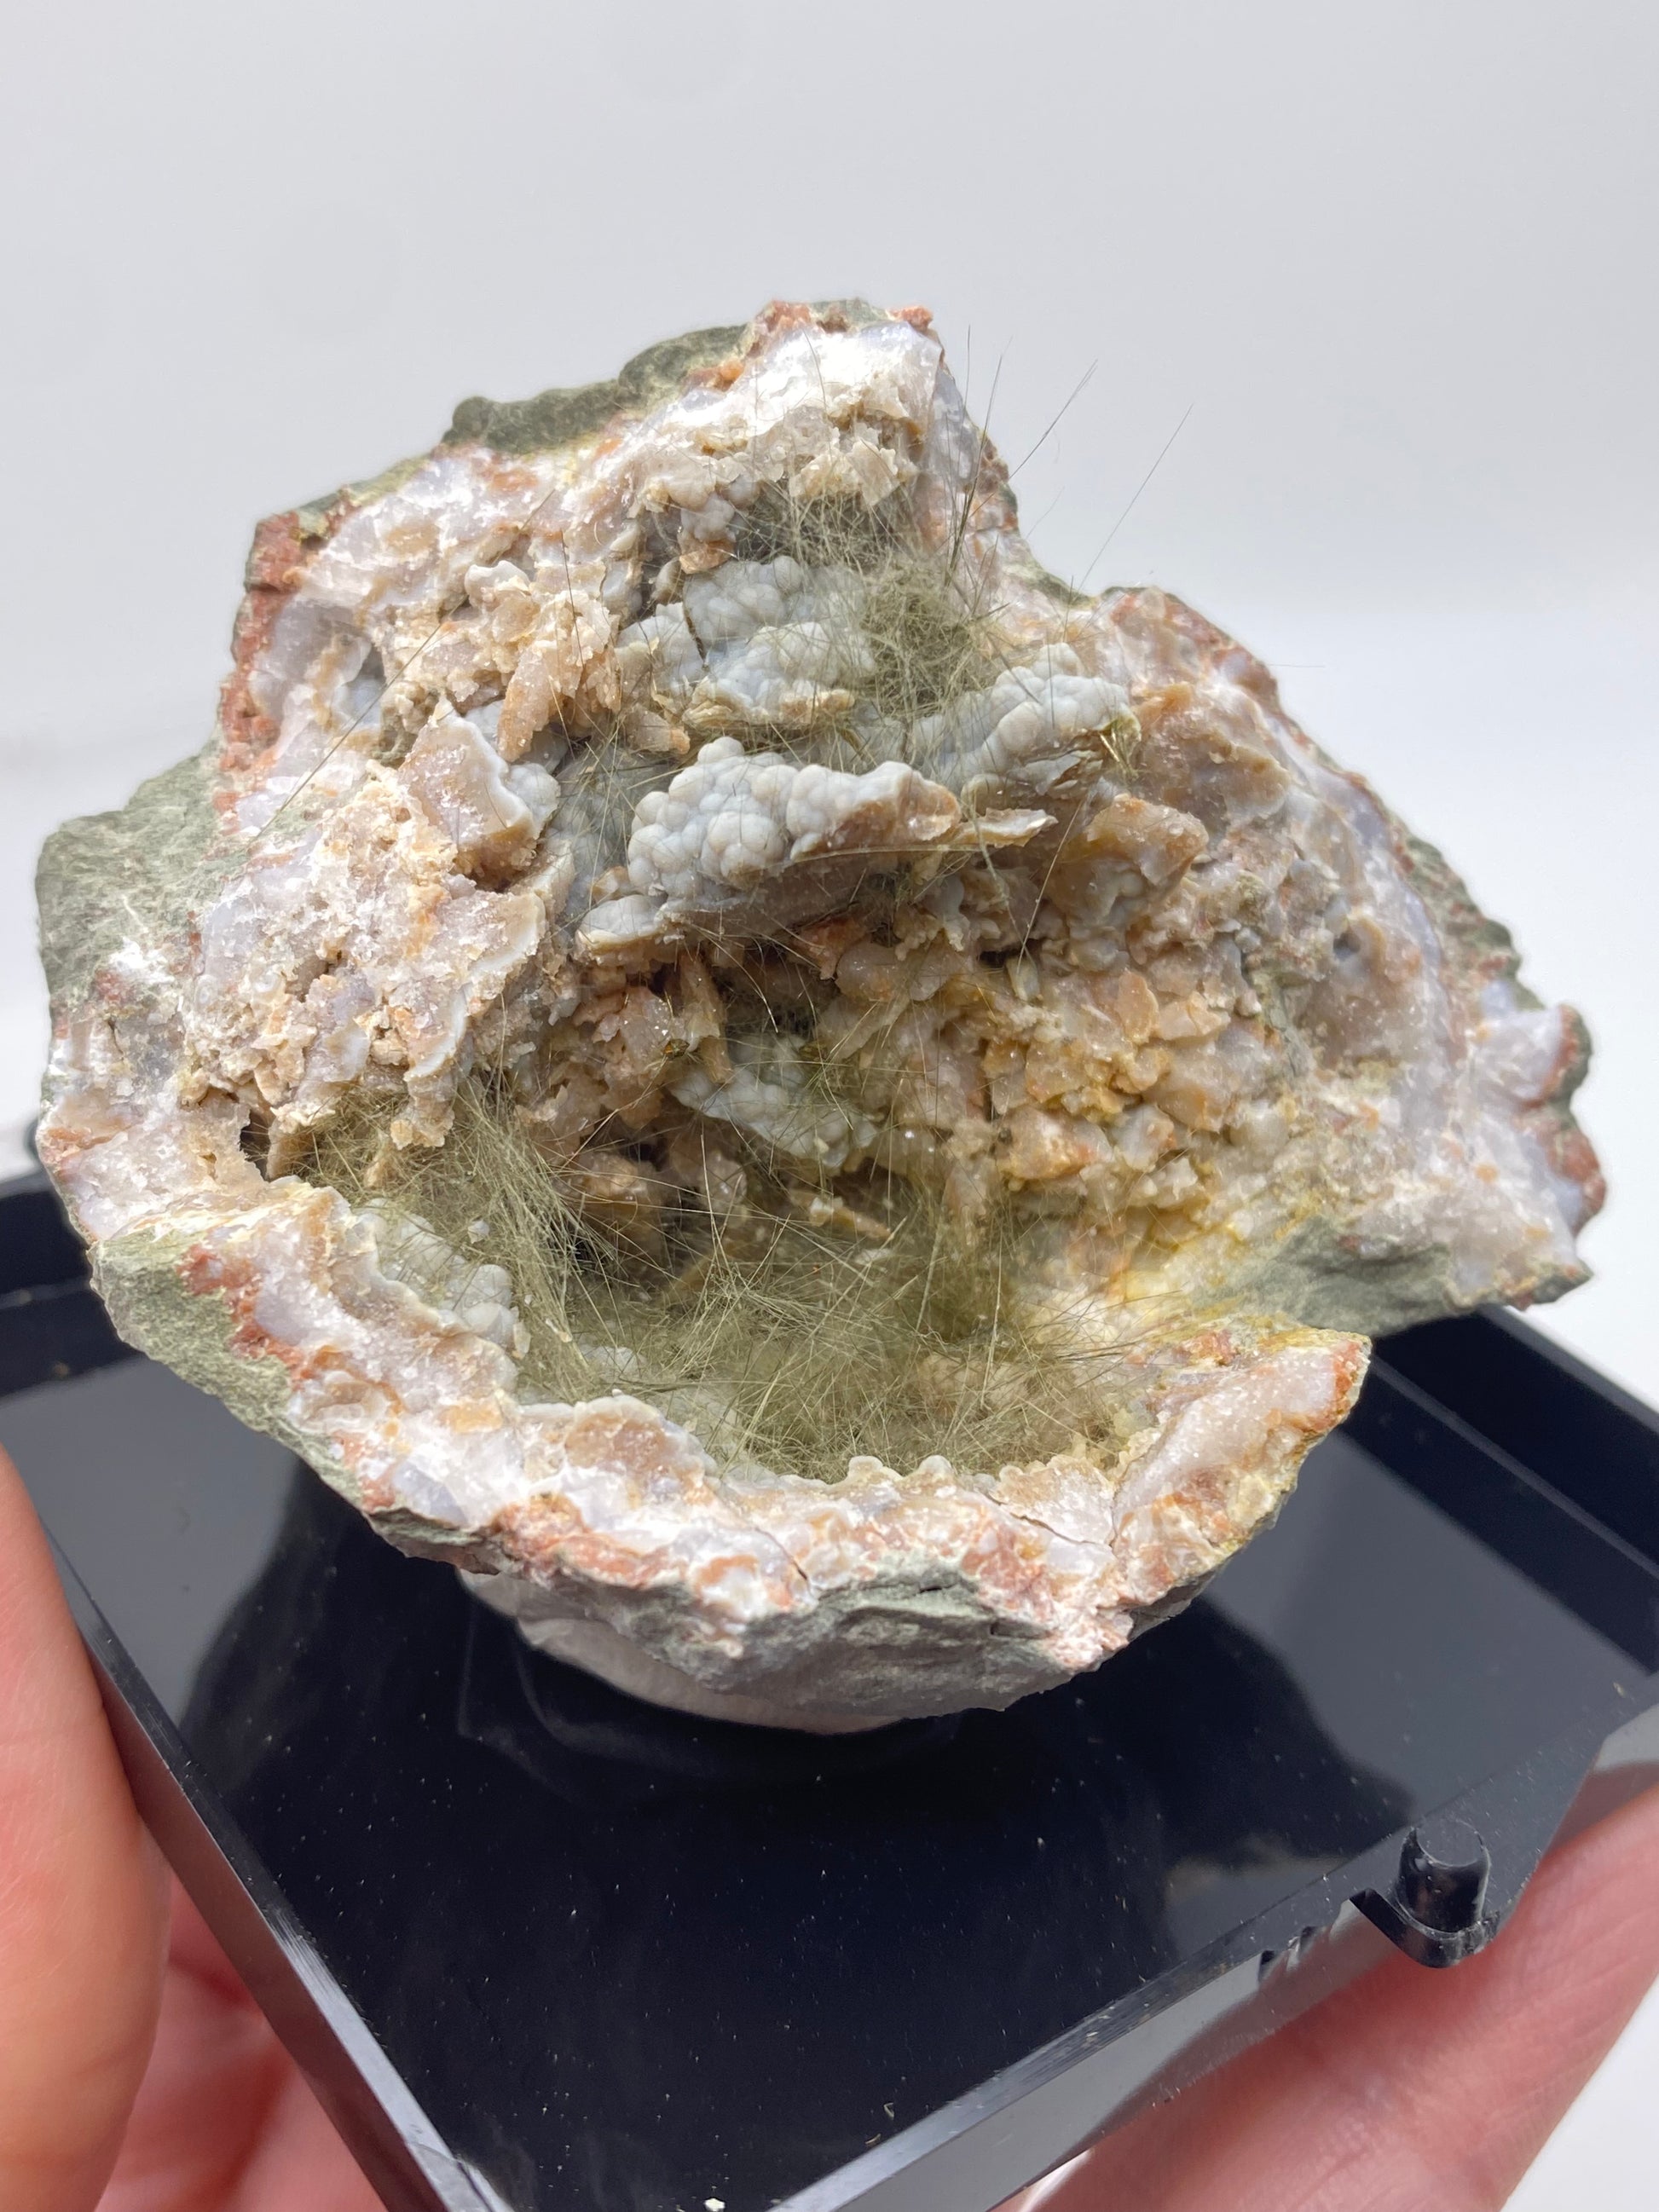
pixel 790 1332
pixel 792 1318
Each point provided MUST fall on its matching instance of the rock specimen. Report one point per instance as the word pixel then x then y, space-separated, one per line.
pixel 825 1116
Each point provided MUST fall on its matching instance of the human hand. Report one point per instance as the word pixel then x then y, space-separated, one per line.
pixel 135 2073
pixel 1408 2092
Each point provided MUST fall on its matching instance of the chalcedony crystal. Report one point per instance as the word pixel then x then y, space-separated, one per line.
pixel 826 1116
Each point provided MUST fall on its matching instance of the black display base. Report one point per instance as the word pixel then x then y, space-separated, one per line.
pixel 542 1947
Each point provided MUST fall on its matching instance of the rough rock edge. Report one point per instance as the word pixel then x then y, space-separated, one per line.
pixel 567 414
pixel 134 872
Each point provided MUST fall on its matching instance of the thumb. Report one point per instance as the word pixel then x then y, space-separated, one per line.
pixel 81 1897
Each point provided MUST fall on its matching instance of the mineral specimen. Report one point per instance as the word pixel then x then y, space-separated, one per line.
pixel 825 1116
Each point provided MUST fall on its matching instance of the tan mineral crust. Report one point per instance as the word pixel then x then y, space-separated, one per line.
pixel 825 1116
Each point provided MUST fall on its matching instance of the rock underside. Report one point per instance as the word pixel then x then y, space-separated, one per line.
pixel 826 1116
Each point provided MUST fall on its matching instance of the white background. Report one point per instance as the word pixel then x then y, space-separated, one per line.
pixel 1390 268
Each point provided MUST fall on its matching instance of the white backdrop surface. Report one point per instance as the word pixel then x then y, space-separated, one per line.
pixel 1377 284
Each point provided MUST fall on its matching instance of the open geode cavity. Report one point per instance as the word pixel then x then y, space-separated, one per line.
pixel 826 1115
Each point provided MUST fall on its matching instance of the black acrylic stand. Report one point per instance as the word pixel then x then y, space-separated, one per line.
pixel 543 1948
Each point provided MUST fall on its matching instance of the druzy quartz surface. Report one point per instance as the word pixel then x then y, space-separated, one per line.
pixel 826 1116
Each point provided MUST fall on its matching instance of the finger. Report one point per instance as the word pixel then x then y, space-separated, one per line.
pixel 1409 2087
pixel 215 2077
pixel 224 2122
pixel 300 2160
pixel 80 1896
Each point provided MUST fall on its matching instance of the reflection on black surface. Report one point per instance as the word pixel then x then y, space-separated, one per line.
pixel 596 1748
pixel 631 1961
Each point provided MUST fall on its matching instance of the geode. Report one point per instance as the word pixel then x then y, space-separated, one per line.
pixel 824 1115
